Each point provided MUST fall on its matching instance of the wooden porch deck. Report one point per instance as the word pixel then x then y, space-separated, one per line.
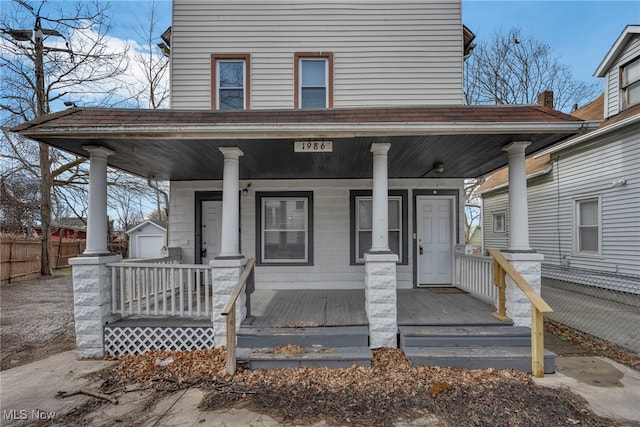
pixel 318 308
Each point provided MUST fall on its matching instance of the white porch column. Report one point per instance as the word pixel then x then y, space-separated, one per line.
pixel 518 209
pixel 380 262
pixel 230 245
pixel 97 215
pixel 525 260
pixel 380 199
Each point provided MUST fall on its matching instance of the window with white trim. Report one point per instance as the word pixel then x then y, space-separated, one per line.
pixel 284 235
pixel 313 75
pixel 631 83
pixel 362 217
pixel 499 222
pixel 230 81
pixel 587 235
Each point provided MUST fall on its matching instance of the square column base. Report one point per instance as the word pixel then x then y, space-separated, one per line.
pixel 381 299
pixel 529 265
pixel 226 273
pixel 92 302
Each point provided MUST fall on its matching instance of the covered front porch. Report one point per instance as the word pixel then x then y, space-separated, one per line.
pixel 362 155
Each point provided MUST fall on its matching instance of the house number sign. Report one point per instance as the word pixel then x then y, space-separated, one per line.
pixel 313 146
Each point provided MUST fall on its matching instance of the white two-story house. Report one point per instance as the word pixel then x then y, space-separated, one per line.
pixel 326 140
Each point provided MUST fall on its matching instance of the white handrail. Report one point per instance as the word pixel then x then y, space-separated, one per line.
pixel 474 273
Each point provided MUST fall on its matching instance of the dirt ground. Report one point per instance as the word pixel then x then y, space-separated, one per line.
pixel 36 319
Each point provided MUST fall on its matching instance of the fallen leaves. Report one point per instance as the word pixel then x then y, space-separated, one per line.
pixel 378 395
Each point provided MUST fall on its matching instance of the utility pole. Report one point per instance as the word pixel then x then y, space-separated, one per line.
pixel 46 177
pixel 45 161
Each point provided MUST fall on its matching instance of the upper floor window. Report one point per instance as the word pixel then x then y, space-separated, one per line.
pixel 587 226
pixel 313 75
pixel 631 83
pixel 231 81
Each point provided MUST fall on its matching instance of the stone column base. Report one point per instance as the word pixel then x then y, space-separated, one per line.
pixel 380 299
pixel 92 302
pixel 226 273
pixel 529 265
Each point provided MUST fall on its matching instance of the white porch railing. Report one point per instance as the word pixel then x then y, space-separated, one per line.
pixel 161 288
pixel 474 274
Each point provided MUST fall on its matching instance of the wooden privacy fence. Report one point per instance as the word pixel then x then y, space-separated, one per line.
pixel 20 258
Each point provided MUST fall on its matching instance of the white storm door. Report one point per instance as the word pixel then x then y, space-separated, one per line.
pixel 211 229
pixel 434 240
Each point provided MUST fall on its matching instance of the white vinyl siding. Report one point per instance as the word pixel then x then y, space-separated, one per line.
pixel 496 203
pixel 613 91
pixel 407 52
pixel 331 229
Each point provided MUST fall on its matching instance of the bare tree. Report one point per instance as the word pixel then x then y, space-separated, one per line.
pixel 514 68
pixel 49 53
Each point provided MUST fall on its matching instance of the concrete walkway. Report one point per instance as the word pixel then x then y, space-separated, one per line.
pixel 27 394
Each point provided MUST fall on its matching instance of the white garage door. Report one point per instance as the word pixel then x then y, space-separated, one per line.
pixel 149 246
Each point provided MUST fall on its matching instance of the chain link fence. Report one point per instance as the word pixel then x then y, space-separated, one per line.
pixel 605 305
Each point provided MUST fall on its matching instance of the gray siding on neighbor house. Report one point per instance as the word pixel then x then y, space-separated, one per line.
pixel 613 103
pixel 331 233
pixel 497 202
pixel 585 172
pixel 393 53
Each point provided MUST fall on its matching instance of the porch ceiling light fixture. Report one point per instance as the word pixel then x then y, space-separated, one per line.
pixel 438 167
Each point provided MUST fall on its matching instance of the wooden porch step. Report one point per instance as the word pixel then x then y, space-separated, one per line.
pixel 518 358
pixel 332 357
pixel 334 336
pixel 448 336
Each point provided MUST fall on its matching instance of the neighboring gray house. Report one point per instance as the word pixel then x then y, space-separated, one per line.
pixel 584 194
pixel 147 239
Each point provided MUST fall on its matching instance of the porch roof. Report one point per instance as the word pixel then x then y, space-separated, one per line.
pixel 183 144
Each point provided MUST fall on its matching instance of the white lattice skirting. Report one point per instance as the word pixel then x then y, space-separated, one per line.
pixel 137 340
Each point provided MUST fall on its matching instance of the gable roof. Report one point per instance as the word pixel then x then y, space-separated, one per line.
pixel 628 32
pixel 594 110
pixel 159 224
pixel 500 179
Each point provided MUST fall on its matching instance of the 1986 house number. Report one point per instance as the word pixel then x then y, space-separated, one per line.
pixel 313 146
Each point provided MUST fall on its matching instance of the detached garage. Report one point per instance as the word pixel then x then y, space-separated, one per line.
pixel 147 239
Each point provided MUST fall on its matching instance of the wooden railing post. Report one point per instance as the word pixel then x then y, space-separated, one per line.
pixel 538 308
pixel 500 282
pixel 229 310
pixel 231 340
pixel 537 343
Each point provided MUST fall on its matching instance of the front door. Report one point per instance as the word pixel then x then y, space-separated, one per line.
pixel 211 229
pixel 434 237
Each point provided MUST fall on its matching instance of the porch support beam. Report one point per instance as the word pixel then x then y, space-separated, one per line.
pixel 380 199
pixel 230 244
pixel 518 209
pixel 97 215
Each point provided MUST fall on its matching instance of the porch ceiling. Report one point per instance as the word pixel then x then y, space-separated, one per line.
pixel 183 145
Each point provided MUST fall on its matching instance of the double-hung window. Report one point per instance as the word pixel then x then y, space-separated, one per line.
pixel 361 224
pixel 587 226
pixel 313 75
pixel 499 222
pixel 231 81
pixel 285 223
pixel 631 83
